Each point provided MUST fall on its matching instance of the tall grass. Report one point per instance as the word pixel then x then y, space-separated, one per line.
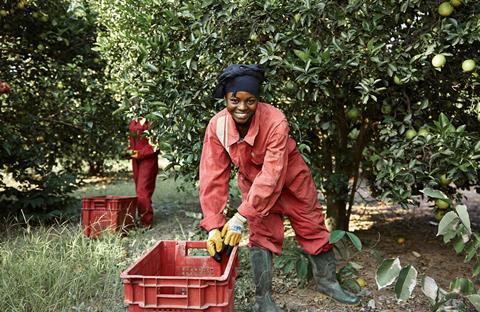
pixel 57 269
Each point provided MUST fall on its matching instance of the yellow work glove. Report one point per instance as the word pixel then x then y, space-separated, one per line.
pixel 214 243
pixel 134 154
pixel 232 230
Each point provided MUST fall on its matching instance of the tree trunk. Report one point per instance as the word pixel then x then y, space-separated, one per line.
pixel 338 211
pixel 95 168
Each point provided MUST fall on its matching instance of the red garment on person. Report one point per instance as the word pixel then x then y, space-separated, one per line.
pixel 272 176
pixel 145 170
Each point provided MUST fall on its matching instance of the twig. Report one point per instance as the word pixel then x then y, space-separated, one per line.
pixel 181 228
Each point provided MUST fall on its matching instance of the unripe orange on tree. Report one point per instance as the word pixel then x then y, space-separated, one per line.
pixel 439 60
pixel 410 134
pixel 423 132
pixel 444 181
pixel 3 13
pixel 456 3
pixel 386 109
pixel 468 65
pixel 439 214
pixel 445 9
pixel 442 204
pixel 397 80
pixel 353 113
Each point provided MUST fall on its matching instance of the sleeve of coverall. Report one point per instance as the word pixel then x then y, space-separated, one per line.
pixel 146 150
pixel 214 179
pixel 268 184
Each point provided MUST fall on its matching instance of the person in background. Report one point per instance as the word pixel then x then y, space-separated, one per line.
pixel 145 169
pixel 274 180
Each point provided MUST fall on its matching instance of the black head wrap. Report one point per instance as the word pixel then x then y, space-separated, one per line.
pixel 240 77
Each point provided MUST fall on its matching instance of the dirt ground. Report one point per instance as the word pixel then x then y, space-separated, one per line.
pixel 379 227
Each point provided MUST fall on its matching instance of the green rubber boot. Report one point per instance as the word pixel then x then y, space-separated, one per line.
pixel 326 280
pixel 262 268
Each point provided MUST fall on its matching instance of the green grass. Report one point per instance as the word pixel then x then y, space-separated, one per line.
pixel 56 268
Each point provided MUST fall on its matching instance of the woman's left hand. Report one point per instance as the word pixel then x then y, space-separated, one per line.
pixel 232 230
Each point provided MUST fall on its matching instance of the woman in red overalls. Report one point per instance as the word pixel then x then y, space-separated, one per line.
pixel 145 169
pixel 274 181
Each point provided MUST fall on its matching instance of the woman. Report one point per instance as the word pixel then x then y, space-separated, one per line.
pixel 145 169
pixel 273 179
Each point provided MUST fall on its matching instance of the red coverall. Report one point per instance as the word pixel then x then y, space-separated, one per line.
pixel 272 177
pixel 145 169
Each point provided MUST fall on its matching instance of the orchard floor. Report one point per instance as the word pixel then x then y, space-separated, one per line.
pixel 379 227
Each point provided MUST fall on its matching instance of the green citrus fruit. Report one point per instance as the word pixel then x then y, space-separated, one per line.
pixel 410 134
pixel 353 113
pixel 442 204
pixel 468 65
pixel 445 9
pixel 423 132
pixel 456 3
pixel 397 80
pixel 386 109
pixel 439 215
pixel 439 60
pixel 3 13
pixel 444 180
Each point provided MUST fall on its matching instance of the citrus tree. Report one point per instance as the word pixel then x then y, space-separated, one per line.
pixel 348 74
pixel 56 114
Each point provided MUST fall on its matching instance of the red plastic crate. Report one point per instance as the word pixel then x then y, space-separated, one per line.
pixel 167 278
pixel 100 213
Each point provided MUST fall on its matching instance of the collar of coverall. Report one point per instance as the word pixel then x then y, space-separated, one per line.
pixel 234 136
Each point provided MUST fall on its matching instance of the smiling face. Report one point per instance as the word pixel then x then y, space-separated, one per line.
pixel 241 106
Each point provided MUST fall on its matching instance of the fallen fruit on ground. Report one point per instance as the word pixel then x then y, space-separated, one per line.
pixel 361 282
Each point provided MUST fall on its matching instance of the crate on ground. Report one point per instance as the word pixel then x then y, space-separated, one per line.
pixel 100 213
pixel 173 277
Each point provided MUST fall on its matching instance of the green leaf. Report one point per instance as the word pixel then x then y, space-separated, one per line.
pixel 471 250
pixel 434 193
pixel 459 245
pixel 336 235
pixel 476 268
pixel 407 280
pixel 302 268
pixel 475 301
pixel 462 286
pixel 355 240
pixel 447 223
pixel 304 56
pixel 430 288
pixel 463 214
pixel 387 272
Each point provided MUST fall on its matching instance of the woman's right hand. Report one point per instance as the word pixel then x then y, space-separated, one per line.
pixel 214 243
